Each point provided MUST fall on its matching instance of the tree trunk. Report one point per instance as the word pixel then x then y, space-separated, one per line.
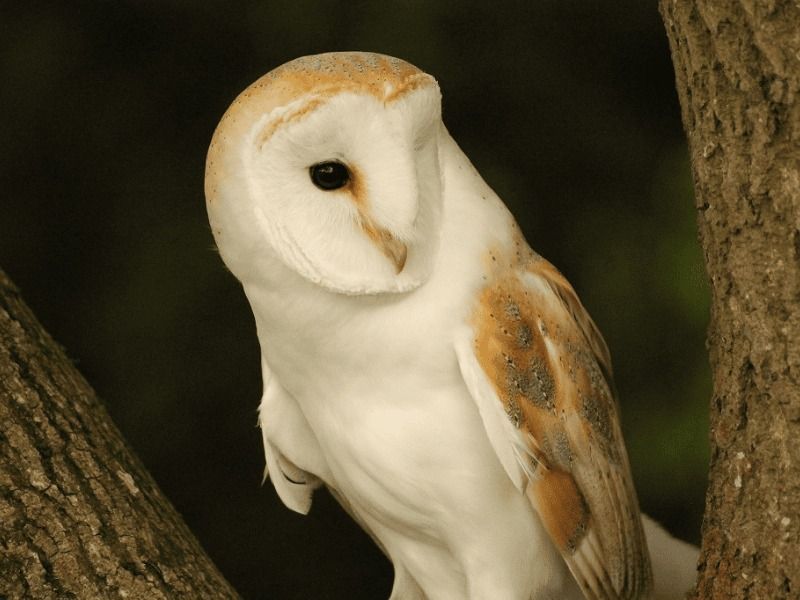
pixel 79 515
pixel 737 70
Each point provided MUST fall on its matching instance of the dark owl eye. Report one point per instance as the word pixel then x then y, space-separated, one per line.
pixel 329 175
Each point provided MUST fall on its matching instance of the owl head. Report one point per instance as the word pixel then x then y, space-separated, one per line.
pixel 328 167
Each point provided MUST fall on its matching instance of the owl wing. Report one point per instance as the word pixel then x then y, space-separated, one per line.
pixel 540 374
pixel 286 434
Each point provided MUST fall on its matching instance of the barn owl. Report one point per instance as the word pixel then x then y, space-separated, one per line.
pixel 442 379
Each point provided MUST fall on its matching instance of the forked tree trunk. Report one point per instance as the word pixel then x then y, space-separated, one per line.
pixel 737 70
pixel 79 515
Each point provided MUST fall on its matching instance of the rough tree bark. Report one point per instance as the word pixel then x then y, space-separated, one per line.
pixel 737 70
pixel 79 515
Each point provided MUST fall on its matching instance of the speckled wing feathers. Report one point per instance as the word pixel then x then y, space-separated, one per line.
pixel 544 392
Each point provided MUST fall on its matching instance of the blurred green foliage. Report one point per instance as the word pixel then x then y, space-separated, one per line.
pixel 566 107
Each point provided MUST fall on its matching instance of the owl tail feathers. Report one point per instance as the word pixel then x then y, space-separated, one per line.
pixel 295 486
pixel 674 562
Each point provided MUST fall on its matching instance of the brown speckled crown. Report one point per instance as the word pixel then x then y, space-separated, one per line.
pixel 381 76
pixel 321 75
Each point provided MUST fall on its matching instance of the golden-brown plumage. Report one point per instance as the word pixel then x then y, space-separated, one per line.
pixel 550 368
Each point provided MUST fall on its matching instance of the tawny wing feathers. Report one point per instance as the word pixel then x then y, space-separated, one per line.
pixel 540 374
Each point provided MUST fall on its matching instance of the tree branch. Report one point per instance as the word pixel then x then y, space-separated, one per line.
pixel 79 515
pixel 737 71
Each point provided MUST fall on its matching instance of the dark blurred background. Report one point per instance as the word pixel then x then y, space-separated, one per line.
pixel 566 107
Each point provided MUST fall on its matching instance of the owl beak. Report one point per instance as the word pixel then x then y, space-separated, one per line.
pixel 397 253
pixel 390 246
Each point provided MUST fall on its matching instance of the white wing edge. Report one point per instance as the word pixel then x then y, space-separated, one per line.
pixel 505 439
pixel 295 486
pixel 296 494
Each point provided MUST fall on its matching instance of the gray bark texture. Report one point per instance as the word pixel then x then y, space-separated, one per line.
pixel 79 515
pixel 737 72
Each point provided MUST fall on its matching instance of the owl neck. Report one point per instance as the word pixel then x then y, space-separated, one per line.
pixel 294 315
